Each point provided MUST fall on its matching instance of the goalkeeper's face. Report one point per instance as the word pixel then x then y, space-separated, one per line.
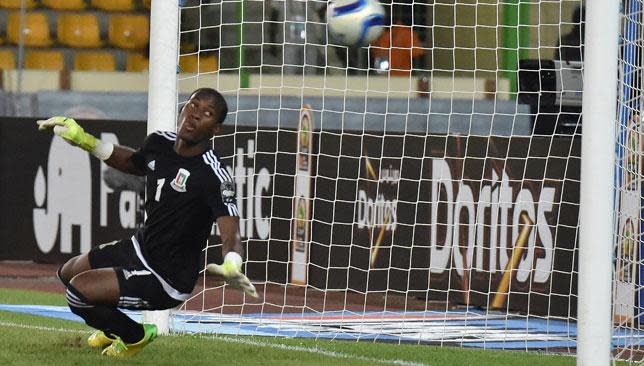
pixel 198 120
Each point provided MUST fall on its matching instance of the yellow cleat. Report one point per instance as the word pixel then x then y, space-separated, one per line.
pixel 122 349
pixel 98 339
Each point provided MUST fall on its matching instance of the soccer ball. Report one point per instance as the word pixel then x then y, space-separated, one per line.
pixel 355 22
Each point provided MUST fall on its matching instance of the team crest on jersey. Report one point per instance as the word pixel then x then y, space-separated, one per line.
pixel 227 192
pixel 179 182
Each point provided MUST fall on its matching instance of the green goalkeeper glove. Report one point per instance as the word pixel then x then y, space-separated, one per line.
pixel 230 270
pixel 74 134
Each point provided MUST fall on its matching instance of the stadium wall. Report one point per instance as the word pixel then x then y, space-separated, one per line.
pixel 434 205
pixel 418 115
pixel 443 85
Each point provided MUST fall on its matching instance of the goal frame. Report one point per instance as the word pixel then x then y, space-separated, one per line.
pixel 162 94
pixel 597 164
pixel 599 108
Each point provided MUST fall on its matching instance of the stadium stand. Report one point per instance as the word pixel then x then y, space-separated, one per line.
pixel 94 61
pixel 36 32
pixel 129 31
pixel 193 63
pixel 114 5
pixel 44 60
pixel 15 4
pixel 65 4
pixel 7 60
pixel 61 29
pixel 136 62
pixel 79 30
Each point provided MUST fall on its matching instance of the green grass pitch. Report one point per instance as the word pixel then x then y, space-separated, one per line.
pixel 33 340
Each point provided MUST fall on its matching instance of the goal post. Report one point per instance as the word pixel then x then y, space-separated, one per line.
pixel 162 82
pixel 596 218
pixel 162 93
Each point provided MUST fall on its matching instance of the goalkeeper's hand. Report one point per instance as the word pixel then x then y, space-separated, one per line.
pixel 232 274
pixel 74 134
pixel 70 131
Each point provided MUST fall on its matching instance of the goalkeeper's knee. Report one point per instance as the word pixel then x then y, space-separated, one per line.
pixel 61 278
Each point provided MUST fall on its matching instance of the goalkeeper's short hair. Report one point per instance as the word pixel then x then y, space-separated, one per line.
pixel 217 98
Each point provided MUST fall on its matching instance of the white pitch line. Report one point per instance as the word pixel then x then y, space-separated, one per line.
pixel 247 342
pixel 38 327
pixel 315 350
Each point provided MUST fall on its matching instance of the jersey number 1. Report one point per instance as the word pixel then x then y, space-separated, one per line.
pixel 160 182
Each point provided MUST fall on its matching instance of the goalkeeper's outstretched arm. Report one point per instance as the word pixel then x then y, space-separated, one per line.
pixel 231 269
pixel 118 157
pixel 121 159
pixel 230 236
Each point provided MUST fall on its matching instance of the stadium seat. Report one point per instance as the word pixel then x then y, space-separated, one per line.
pixel 65 4
pixel 36 32
pixel 44 60
pixel 204 63
pixel 15 4
pixel 79 30
pixel 94 61
pixel 114 5
pixel 7 60
pixel 129 31
pixel 136 62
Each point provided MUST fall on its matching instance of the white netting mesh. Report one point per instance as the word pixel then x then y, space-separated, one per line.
pixel 628 181
pixel 433 198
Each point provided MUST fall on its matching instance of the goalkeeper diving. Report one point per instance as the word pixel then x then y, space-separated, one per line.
pixel 187 190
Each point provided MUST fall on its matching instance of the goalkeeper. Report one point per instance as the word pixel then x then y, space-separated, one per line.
pixel 187 189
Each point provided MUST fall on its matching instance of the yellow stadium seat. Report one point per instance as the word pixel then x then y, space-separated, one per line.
pixel 94 61
pixel 79 30
pixel 136 62
pixel 44 60
pixel 35 33
pixel 65 4
pixel 114 5
pixel 7 60
pixel 204 63
pixel 129 31
pixel 16 4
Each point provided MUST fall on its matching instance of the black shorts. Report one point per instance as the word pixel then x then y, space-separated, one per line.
pixel 140 289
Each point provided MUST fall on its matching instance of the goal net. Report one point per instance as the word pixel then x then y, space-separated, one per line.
pixel 422 189
pixel 628 297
